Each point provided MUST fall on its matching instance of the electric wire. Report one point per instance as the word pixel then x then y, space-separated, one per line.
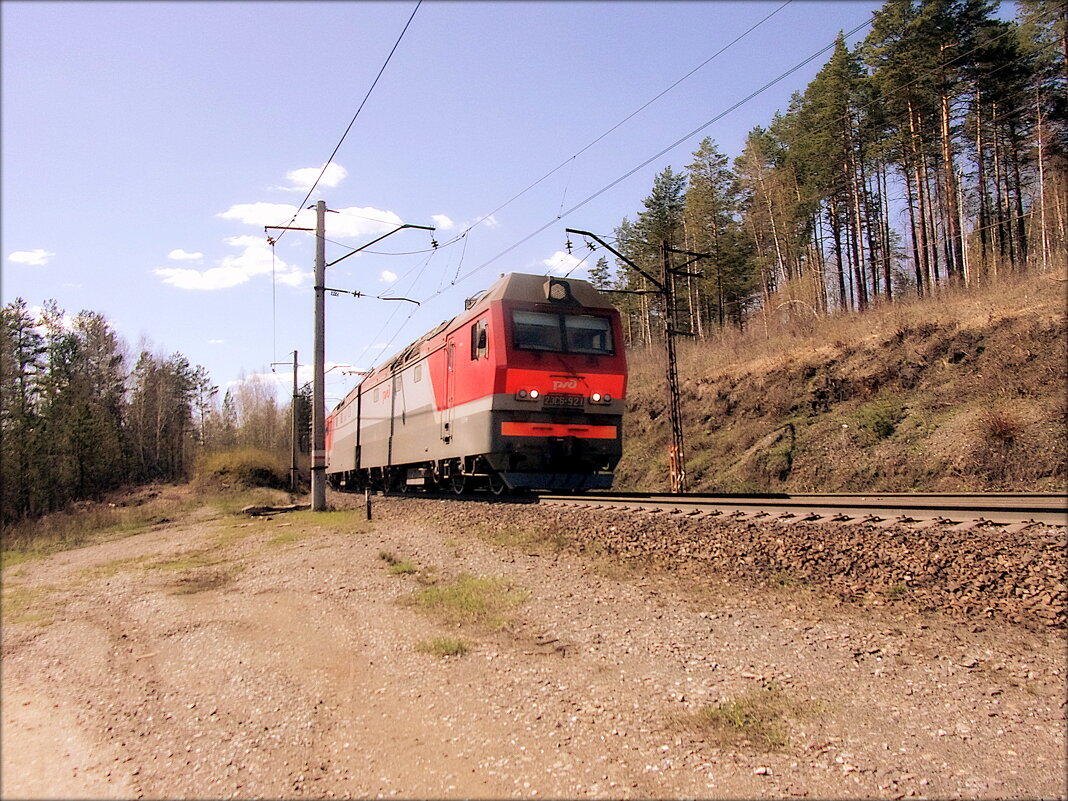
pixel 374 83
pixel 629 117
pixel 458 278
pixel 782 76
pixel 389 319
pixel 676 143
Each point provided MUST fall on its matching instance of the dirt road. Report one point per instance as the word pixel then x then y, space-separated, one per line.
pixel 219 657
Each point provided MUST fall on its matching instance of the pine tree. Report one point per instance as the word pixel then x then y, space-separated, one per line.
pixel 22 364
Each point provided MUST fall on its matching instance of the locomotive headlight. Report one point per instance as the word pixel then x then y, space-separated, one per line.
pixel 596 397
pixel 534 394
pixel 527 395
pixel 521 395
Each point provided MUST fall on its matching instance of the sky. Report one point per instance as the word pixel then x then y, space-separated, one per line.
pixel 146 145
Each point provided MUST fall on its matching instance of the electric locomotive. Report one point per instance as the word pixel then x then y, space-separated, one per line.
pixel 522 390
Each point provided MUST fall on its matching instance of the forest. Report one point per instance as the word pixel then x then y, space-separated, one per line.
pixel 933 155
pixel 78 418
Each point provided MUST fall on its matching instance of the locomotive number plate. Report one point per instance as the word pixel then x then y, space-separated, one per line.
pixel 566 401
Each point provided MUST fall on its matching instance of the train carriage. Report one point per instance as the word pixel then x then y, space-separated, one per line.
pixel 523 390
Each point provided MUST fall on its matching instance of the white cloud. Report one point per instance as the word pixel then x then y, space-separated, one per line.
pixel 355 221
pixel 349 222
pixel 442 222
pixel 489 220
pixel 261 214
pixel 561 263
pixel 301 180
pixel 254 260
pixel 245 241
pixel 34 258
pixel 216 341
pixel 388 276
pixel 181 255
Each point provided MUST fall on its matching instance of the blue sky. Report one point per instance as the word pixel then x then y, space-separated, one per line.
pixel 146 145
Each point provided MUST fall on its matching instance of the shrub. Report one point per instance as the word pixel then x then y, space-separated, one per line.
pixel 1000 426
pixel 244 467
pixel 880 417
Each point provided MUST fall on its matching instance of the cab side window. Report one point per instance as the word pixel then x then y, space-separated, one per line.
pixel 479 340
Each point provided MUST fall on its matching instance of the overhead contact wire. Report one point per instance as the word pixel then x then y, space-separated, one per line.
pixel 354 116
pixel 660 153
pixel 629 117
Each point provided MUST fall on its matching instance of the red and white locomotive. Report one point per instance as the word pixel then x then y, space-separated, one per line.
pixel 523 390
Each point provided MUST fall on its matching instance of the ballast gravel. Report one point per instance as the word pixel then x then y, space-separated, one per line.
pixel 286 665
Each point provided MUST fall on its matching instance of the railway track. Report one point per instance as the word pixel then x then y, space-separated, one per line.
pixel 1014 511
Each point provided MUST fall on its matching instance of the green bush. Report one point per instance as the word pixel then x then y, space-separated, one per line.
pixel 243 467
pixel 880 417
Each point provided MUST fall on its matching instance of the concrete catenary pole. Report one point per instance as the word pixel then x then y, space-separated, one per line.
pixel 318 460
pixel 293 475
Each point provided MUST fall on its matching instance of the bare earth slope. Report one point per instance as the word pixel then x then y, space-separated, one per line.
pixel 233 658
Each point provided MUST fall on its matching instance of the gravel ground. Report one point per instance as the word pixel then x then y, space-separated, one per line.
pixel 222 657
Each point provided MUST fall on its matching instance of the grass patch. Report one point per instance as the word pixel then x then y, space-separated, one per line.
pixel 28 605
pixel 468 600
pixel 198 571
pixel 11 558
pixel 288 537
pixel 398 567
pixel 785 579
pixel 880 417
pixel 758 719
pixel 205 580
pixel 112 568
pixel 549 539
pixel 130 513
pixel 81 525
pixel 444 646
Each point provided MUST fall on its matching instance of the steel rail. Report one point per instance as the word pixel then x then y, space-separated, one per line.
pixel 890 508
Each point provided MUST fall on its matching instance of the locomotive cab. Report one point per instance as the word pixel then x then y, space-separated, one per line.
pixel 558 420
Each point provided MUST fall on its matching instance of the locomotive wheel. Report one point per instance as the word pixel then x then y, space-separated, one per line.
pixel 459 483
pixel 495 484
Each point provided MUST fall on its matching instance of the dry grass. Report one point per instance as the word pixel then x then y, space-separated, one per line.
pixel 34 606
pixel 533 539
pixel 963 391
pixel 242 467
pixel 398 567
pixel 759 719
pixel 476 601
pixel 122 515
pixel 444 646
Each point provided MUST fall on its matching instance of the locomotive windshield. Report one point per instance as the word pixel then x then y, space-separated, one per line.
pixel 562 333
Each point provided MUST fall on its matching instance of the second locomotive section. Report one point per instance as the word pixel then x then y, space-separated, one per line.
pixel 523 390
